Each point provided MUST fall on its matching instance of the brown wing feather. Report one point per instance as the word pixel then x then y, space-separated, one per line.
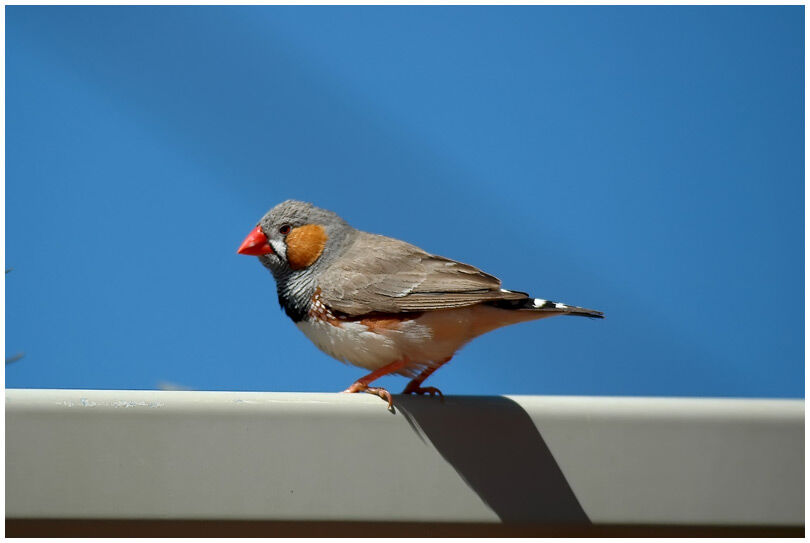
pixel 381 274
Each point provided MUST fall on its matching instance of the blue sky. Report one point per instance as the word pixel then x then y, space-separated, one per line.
pixel 644 161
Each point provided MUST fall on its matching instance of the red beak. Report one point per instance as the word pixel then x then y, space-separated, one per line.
pixel 255 244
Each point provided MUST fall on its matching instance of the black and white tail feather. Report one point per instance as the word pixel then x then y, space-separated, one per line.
pixel 547 306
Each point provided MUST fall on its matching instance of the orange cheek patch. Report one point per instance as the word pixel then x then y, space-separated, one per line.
pixel 304 245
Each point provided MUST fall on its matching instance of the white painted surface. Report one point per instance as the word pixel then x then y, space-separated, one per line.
pixel 289 456
pixel 700 461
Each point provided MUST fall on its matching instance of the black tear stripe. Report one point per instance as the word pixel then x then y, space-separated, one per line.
pixel 297 312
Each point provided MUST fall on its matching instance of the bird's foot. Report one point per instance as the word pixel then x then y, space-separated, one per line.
pixel 414 388
pixel 377 391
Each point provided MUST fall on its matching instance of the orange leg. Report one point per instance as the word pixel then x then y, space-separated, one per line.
pixel 414 386
pixel 361 385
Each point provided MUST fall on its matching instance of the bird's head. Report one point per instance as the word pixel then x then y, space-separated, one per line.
pixel 296 235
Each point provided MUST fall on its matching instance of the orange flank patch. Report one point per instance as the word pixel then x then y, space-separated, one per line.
pixel 378 324
pixel 305 245
pixel 317 310
pixel 375 322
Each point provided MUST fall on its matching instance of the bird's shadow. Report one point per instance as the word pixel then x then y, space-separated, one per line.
pixel 495 447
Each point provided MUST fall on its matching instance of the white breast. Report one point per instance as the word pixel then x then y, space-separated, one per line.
pixel 352 342
pixel 356 344
pixel 429 339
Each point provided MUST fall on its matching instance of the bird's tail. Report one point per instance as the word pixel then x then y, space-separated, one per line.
pixel 547 306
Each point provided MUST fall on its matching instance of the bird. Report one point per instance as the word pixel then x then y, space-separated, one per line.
pixel 380 303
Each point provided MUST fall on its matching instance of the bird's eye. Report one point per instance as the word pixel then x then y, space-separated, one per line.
pixel 284 230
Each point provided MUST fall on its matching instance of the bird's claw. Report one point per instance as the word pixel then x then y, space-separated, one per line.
pixel 382 393
pixel 377 391
pixel 416 389
pixel 356 387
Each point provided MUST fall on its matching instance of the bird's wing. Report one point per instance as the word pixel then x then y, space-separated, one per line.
pixel 386 275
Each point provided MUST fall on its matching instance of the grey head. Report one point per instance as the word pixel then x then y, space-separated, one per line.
pixel 304 240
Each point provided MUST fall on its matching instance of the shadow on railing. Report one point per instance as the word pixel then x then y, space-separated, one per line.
pixel 496 448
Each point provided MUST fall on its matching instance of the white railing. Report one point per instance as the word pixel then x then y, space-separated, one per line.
pixel 118 454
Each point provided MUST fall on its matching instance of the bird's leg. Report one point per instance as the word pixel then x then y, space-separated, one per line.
pixel 414 386
pixel 361 385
